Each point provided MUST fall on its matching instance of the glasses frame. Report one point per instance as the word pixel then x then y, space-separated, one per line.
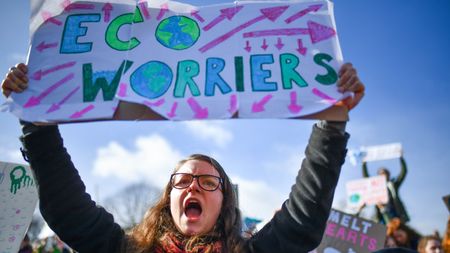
pixel 198 181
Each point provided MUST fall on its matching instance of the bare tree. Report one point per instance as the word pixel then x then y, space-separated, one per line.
pixel 130 204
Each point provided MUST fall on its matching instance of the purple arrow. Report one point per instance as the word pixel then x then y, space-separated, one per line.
pixel 227 13
pixel 247 47
pixel 302 13
pixel 200 113
pixel 164 9
pixel 48 18
pixel 42 46
pixel 57 106
pixel 33 101
pixel 264 45
pixel 324 96
pixel 77 6
pixel 172 114
pixel 157 103
pixel 40 73
pixel 143 8
pixel 316 31
pixel 233 104
pixel 293 106
pixel 122 90
pixel 279 44
pixel 301 49
pixel 197 16
pixel 259 106
pixel 81 113
pixel 271 14
pixel 107 8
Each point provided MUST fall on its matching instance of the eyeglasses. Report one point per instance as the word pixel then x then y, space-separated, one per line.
pixel 206 182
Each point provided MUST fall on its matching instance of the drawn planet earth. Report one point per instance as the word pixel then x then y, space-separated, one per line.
pixel 152 79
pixel 355 198
pixel 177 32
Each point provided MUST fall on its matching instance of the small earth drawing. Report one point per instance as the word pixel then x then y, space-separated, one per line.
pixel 177 32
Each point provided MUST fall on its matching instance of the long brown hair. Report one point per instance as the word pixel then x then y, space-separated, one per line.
pixel 158 222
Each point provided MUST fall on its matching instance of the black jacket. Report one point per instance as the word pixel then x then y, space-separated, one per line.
pixel 74 216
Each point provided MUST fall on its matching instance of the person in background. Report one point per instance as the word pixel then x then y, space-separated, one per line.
pixel 404 235
pixel 430 244
pixel 394 207
pixel 25 245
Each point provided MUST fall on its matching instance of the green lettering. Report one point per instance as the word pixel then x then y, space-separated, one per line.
pixel 186 71
pixel 331 76
pixel 288 64
pixel 111 36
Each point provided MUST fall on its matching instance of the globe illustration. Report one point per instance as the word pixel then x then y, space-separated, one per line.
pixel 177 32
pixel 151 80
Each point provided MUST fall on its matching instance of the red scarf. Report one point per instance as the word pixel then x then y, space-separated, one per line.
pixel 171 244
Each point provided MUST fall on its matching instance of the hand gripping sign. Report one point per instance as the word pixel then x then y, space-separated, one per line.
pixel 167 60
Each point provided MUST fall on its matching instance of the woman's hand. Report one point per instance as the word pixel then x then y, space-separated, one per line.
pixel 349 81
pixel 16 80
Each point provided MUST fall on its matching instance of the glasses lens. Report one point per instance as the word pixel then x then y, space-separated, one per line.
pixel 181 180
pixel 209 183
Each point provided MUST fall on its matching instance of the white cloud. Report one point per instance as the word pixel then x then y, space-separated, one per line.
pixel 257 199
pixel 152 160
pixel 16 57
pixel 11 155
pixel 210 131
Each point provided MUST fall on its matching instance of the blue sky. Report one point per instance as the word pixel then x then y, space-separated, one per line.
pixel 400 49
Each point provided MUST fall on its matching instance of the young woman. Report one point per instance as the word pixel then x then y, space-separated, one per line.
pixel 197 211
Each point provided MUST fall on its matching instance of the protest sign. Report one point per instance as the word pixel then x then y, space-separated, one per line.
pixel 371 190
pixel 175 61
pixel 381 152
pixel 18 199
pixel 347 233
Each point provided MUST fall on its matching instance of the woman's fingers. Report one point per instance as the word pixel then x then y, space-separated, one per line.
pixel 16 80
pixel 349 81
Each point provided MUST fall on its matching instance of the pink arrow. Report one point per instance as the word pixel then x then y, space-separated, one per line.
pixel 143 8
pixel 264 45
pixel 157 103
pixel 271 14
pixel 33 101
pixel 247 47
pixel 81 113
pixel 259 106
pixel 301 49
pixel 302 13
pixel 316 31
pixel 40 73
pixel 279 44
pixel 200 113
pixel 233 104
pixel 324 96
pixel 197 16
pixel 107 8
pixel 164 9
pixel 227 13
pixel 78 6
pixel 48 18
pixel 172 114
pixel 122 90
pixel 293 106
pixel 57 106
pixel 42 46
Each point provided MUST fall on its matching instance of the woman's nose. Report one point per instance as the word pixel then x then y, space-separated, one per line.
pixel 194 185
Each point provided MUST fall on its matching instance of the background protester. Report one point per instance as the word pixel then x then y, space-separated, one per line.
pixel 430 244
pixel 403 235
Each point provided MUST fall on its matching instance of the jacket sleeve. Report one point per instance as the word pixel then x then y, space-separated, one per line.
pixel 365 170
pixel 402 175
pixel 68 209
pixel 299 225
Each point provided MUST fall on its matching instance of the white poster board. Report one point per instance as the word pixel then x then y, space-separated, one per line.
pixel 270 59
pixel 370 191
pixel 382 152
pixel 18 199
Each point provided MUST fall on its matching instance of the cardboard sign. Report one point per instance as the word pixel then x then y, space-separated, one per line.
pixel 347 233
pixel 370 191
pixel 173 61
pixel 382 152
pixel 18 199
